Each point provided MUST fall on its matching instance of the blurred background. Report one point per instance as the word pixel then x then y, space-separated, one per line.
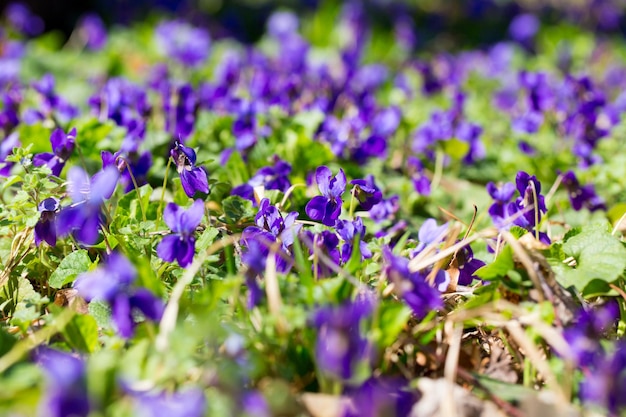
pixel 450 24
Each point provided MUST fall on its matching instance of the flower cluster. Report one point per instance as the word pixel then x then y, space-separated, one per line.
pixel 527 209
pixel 113 284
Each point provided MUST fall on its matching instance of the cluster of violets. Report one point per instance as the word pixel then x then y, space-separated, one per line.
pixel 356 127
pixel 604 369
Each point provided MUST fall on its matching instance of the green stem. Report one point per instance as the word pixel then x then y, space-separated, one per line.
pixel 439 155
pixel 159 212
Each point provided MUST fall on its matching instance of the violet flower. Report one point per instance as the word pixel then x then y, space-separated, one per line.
pixel 193 179
pixel 581 196
pixel 45 229
pixel 327 207
pixel 524 27
pixel 92 31
pixel 66 393
pixel 274 177
pixel 180 104
pixel 6 149
pixel 182 42
pixel 367 192
pixel 23 20
pixel 270 227
pixel 412 286
pixel 184 403
pixel 83 217
pixel 113 284
pixel 180 244
pixel 380 397
pixel 349 230
pixel 139 165
pixel 606 383
pixel 62 148
pixel 341 345
pixel 325 243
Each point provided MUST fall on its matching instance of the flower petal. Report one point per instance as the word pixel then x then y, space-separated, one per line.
pixel 150 305
pixel 316 208
pixel 185 251
pixel 122 317
pixel 194 180
pixel 323 175
pixel 191 218
pixel 338 184
pixel 166 249
pixel 103 184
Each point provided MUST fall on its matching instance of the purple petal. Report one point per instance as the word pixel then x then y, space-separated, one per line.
pixel 88 232
pixel 78 184
pixel 191 218
pixel 122 317
pixel 316 208
pixel 194 180
pixel 185 251
pixel 151 306
pixel 322 177
pixel 166 249
pixel 338 184
pixel 103 183
pixel 96 285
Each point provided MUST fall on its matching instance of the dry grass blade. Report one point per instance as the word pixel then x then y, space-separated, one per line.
pixel 274 300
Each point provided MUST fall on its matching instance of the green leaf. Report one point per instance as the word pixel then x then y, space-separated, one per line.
pixel 82 333
pixel 598 255
pixel 101 313
pixel 498 268
pixel 237 209
pixel 455 148
pixel 73 264
pixel 504 390
pixel 392 318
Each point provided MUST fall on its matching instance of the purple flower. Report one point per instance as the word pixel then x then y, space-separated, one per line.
pixel 386 209
pixel 112 283
pixel 467 265
pixel 83 217
pixel 582 196
pixel 66 393
pixel 253 403
pixel 502 209
pixel 180 106
pixel 380 397
pixel 430 233
pixel 341 345
pixel 524 27
pixel 412 286
pixel 367 192
pixel 325 243
pixel 327 207
pixel 270 227
pixel 349 230
pixel 182 42
pixel 22 19
pixel 184 403
pixel 127 105
pixel 139 165
pixel 6 149
pixel 606 383
pixel 62 148
pixel 421 183
pixel 192 178
pixel 584 336
pixel 275 177
pixel 180 245
pixel 92 31
pixel 45 229
pixel 282 24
